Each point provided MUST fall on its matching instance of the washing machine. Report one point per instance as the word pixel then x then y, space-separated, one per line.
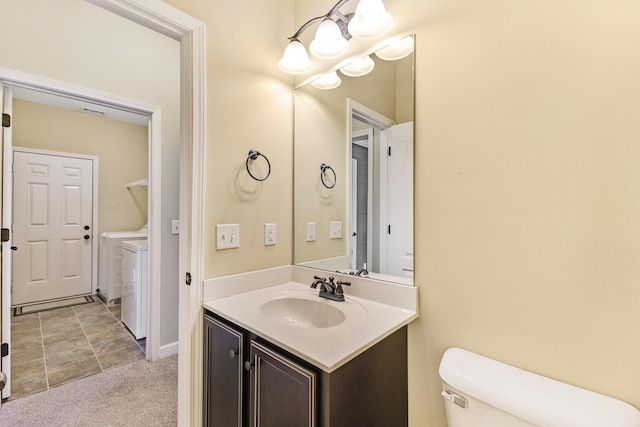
pixel 135 286
pixel 110 266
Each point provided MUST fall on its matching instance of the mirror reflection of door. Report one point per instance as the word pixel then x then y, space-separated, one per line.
pixel 382 197
pixel 362 191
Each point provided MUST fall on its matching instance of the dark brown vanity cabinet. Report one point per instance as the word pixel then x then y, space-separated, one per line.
pixel 246 383
pixel 249 382
pixel 224 383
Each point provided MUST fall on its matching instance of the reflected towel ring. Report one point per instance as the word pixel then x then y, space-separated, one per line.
pixel 253 155
pixel 323 168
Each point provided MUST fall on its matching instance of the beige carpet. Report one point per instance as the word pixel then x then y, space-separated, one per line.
pixel 140 394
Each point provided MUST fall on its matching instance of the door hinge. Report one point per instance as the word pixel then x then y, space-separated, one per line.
pixel 4 235
pixel 188 279
pixel 6 120
pixel 389 229
pixel 4 349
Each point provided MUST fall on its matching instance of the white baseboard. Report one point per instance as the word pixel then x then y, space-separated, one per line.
pixel 168 350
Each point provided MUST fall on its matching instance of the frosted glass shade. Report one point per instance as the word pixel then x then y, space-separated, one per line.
pixel 327 81
pixel 295 59
pixel 328 42
pixel 358 67
pixel 371 20
pixel 397 49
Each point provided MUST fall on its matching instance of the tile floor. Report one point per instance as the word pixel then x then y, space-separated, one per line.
pixel 58 346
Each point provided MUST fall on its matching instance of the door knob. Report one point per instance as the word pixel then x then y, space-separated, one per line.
pixel 87 237
pixel 14 248
pixel 86 227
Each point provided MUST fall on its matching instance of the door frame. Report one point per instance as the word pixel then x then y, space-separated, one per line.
pixel 6 98
pixel 191 33
pixel 94 203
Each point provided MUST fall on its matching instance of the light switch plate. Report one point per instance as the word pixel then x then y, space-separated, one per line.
pixel 175 226
pixel 336 229
pixel 311 232
pixel 227 236
pixel 269 234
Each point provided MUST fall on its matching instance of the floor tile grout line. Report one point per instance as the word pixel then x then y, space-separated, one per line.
pixel 93 350
pixel 44 353
pixel 144 350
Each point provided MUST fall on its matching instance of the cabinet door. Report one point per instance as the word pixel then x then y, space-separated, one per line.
pixel 283 393
pixel 222 400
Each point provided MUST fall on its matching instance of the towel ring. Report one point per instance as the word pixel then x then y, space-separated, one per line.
pixel 253 155
pixel 323 169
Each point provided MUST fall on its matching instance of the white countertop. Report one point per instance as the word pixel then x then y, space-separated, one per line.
pixel 367 321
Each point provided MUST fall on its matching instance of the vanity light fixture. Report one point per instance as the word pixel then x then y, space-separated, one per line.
pixel 327 81
pixel 358 67
pixel 397 49
pixel 369 21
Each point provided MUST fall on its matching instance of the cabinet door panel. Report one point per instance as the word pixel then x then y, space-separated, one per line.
pixel 222 375
pixel 283 393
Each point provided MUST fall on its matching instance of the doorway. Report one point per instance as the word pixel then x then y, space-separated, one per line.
pixel 151 114
pixel 190 33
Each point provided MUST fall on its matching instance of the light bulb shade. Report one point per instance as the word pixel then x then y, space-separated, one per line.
pixel 358 67
pixel 327 81
pixel 397 49
pixel 329 41
pixel 370 20
pixel 295 59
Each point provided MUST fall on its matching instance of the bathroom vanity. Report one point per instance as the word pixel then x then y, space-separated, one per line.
pixel 248 378
pixel 281 355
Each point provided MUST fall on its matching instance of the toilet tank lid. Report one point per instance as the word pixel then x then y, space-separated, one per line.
pixel 531 397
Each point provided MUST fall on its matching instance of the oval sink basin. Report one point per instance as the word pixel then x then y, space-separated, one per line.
pixel 302 313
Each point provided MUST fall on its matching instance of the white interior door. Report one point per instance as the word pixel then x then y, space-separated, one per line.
pixel 53 215
pixel 400 200
pixel 6 102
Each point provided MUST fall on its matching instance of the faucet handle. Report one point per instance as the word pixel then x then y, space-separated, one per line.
pixel 339 284
pixel 319 280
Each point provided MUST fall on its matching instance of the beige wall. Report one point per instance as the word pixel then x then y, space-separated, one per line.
pixel 76 42
pixel 249 106
pixel 122 151
pixel 527 196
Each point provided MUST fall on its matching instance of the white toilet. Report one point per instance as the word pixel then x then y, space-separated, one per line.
pixel 481 392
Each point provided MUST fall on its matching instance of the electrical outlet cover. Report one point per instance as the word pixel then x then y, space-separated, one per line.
pixel 336 229
pixel 311 232
pixel 269 234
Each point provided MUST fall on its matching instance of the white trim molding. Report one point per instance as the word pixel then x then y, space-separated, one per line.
pixel 191 33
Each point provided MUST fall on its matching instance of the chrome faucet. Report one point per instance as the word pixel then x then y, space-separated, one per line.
pixel 330 289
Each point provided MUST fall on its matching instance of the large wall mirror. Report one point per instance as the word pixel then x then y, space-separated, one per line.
pixel 353 173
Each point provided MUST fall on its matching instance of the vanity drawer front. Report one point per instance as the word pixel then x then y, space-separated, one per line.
pixel 223 374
